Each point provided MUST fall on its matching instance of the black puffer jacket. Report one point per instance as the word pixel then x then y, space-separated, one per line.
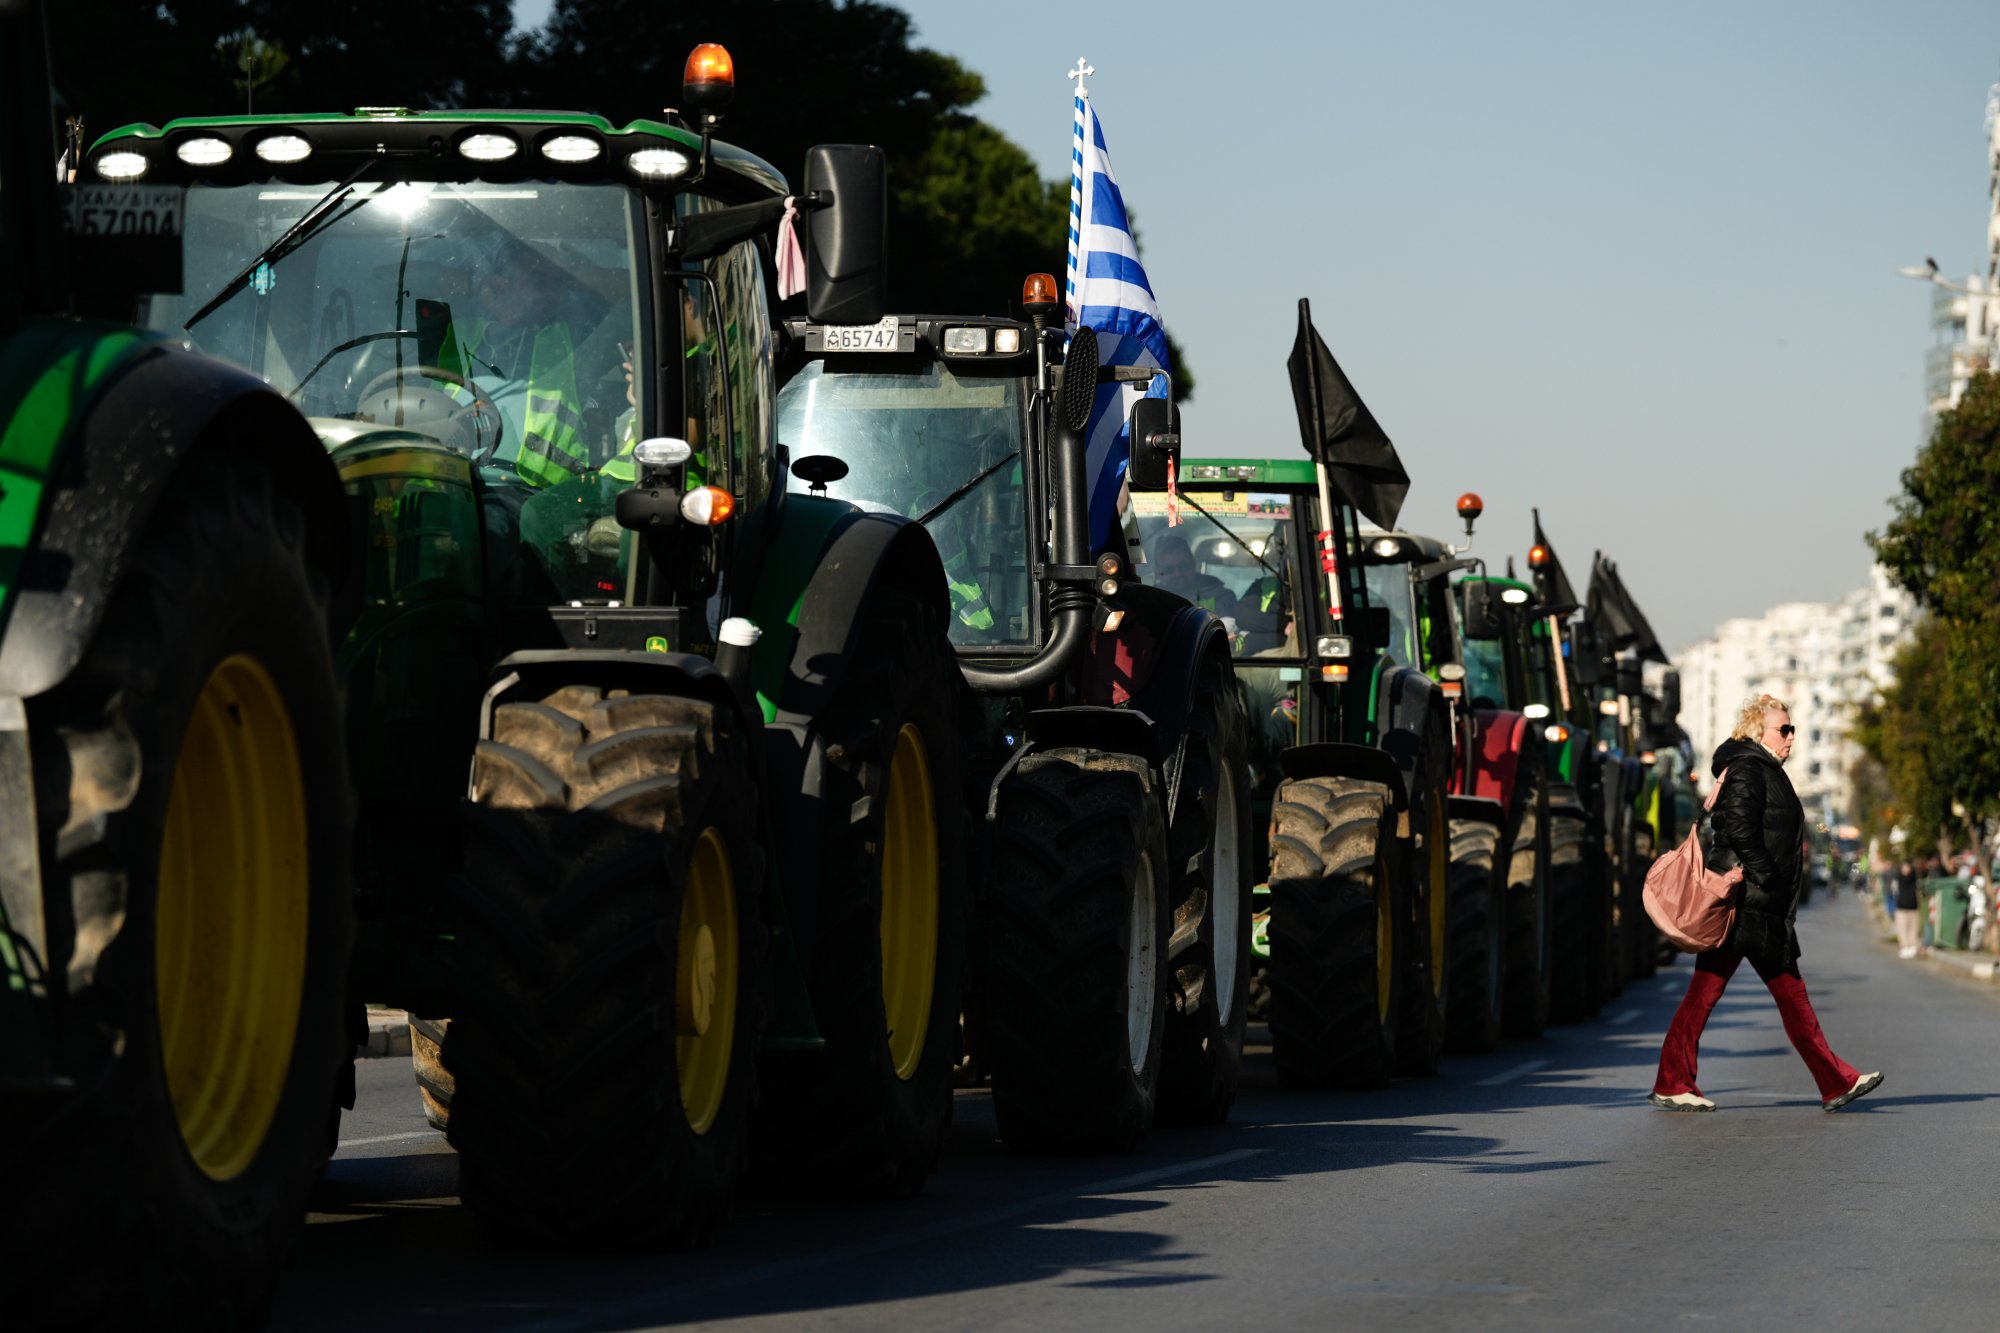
pixel 1759 821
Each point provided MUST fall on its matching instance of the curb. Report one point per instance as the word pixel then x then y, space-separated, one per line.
pixel 388 1034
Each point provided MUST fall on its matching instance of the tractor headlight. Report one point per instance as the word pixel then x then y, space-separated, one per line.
pixel 967 342
pixel 283 148
pixel 659 163
pixel 122 165
pixel 488 147
pixel 206 151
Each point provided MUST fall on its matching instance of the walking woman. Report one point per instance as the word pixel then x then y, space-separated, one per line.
pixel 1760 822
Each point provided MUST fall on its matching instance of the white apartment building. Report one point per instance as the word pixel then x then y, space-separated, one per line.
pixel 1965 326
pixel 1823 658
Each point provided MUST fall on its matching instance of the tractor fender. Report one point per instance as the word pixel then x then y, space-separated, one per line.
pixel 825 558
pixel 1565 799
pixel 541 670
pixel 1480 809
pixel 1193 639
pixel 1339 759
pixel 1093 727
pixel 1413 724
pixel 1498 738
pixel 822 561
pixel 153 411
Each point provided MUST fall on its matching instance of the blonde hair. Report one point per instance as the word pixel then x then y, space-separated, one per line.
pixel 1750 718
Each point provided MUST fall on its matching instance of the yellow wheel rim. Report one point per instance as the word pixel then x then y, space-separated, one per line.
pixel 231 917
pixel 705 982
pixel 1438 855
pixel 1385 933
pixel 909 902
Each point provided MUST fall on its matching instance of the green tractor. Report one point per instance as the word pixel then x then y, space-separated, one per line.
pixel 1494 785
pixel 176 912
pixel 1350 748
pixel 1611 646
pixel 1109 985
pixel 705 886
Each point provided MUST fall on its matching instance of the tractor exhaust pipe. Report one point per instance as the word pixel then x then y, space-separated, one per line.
pixel 1071 599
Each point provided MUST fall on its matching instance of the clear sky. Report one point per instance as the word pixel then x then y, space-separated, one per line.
pixel 1632 264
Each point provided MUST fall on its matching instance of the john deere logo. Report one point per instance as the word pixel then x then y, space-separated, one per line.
pixel 657 644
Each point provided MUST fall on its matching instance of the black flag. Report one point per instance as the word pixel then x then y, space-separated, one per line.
pixel 1555 581
pixel 1340 431
pixel 1612 607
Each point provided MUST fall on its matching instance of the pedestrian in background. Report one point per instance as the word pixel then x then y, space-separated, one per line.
pixel 1906 909
pixel 1760 822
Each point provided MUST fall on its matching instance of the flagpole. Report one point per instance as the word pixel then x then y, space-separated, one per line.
pixel 1328 561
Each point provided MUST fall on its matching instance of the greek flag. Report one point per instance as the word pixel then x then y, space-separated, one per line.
pixel 1108 293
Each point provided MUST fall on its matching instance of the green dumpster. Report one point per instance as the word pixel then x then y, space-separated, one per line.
pixel 1949 897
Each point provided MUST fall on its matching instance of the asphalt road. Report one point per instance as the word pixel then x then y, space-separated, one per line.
pixel 1530 1188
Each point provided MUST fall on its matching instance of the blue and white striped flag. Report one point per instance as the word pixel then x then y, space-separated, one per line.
pixel 1108 292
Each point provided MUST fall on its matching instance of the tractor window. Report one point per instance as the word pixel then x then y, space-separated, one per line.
pixel 1230 553
pixel 705 385
pixel 746 336
pixel 1389 586
pixel 1486 673
pixel 923 441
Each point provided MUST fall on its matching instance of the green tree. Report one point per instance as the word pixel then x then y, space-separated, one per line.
pixel 1938 729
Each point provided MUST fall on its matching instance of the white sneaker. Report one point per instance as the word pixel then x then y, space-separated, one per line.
pixel 1863 1085
pixel 1906 953
pixel 1681 1101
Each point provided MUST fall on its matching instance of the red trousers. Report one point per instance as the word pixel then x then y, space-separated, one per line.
pixel 1712 971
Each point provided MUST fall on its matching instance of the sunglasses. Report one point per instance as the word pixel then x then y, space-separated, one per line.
pixel 1787 729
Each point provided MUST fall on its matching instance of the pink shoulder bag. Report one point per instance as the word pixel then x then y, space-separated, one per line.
pixel 1693 906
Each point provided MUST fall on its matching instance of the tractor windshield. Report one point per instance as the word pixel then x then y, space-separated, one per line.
pixel 495 322
pixel 494 318
pixel 929 443
pixel 1227 554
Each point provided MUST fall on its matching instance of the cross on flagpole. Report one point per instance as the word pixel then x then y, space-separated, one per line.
pixel 1082 71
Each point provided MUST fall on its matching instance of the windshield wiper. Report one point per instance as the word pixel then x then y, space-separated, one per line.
pixel 965 489
pixel 294 236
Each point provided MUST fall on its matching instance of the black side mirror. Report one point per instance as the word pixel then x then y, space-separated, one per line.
pixel 1482 612
pixel 1156 439
pixel 1670 689
pixel 847 243
pixel 433 320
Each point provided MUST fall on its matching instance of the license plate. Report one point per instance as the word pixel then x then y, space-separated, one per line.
pixel 126 210
pixel 881 336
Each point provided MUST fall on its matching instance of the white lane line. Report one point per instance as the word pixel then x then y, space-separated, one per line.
pixel 390 1138
pixel 669 1297
pixel 1624 1015
pixel 1509 1075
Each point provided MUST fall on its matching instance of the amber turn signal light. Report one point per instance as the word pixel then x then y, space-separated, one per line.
pixel 706 506
pixel 709 79
pixel 1538 556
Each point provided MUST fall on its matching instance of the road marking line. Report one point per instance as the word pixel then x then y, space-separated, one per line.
pixel 1509 1075
pixel 659 1299
pixel 390 1138
pixel 1624 1015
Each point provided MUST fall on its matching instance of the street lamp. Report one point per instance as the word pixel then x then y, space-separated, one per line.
pixel 1928 271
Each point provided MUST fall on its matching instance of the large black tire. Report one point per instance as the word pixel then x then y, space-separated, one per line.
pixel 612 889
pixel 868 1113
pixel 1209 843
pixel 1574 970
pixel 194 827
pixel 1071 947
pixel 434 1080
pixel 1478 964
pixel 1334 934
pixel 1525 1009
pixel 1426 859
